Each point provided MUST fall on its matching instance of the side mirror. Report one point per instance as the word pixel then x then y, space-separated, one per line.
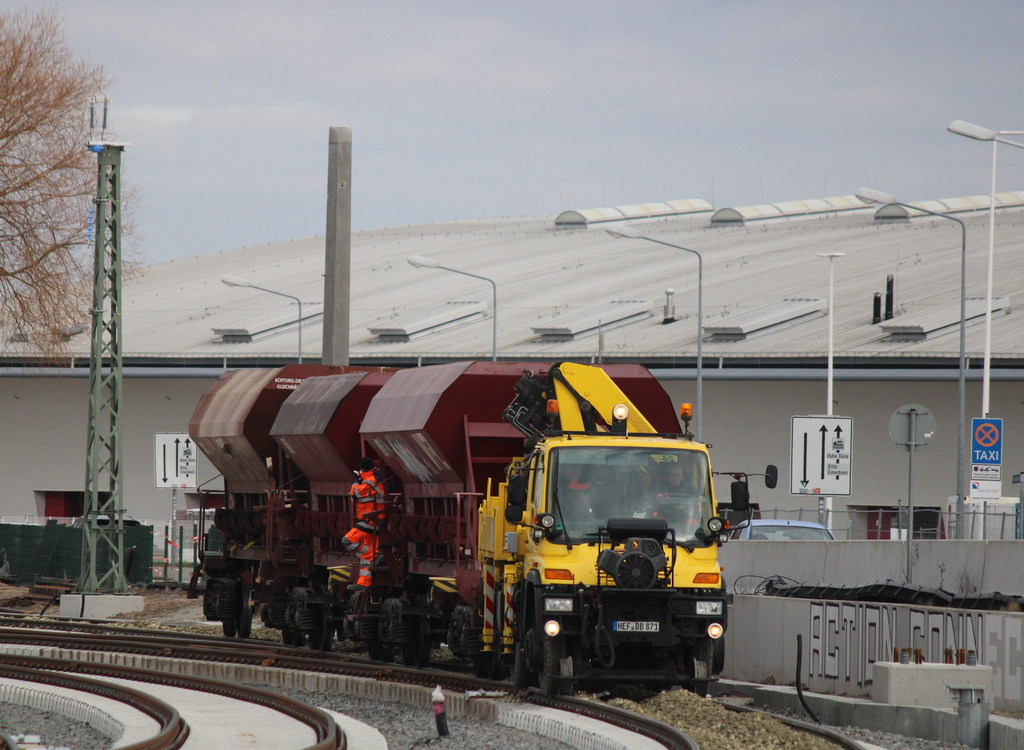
pixel 517 490
pixel 740 496
pixel 515 499
pixel 771 476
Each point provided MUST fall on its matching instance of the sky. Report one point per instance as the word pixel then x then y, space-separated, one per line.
pixel 466 110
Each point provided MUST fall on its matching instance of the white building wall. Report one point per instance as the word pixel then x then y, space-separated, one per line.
pixel 748 424
pixel 43 434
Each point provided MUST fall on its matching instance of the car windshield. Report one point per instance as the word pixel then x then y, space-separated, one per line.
pixel 589 485
pixel 789 533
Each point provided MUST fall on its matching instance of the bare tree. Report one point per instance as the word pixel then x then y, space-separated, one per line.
pixel 47 179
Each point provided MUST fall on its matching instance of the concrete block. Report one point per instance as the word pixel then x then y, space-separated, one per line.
pixel 98 606
pixel 1004 732
pixel 926 684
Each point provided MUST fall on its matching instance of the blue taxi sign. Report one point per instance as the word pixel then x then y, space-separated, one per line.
pixel 987 440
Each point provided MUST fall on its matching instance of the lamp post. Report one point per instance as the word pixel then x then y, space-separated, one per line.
pixel 877 196
pixel 418 261
pixel 831 277
pixel 630 232
pixel 235 281
pixel 978 133
pixel 828 411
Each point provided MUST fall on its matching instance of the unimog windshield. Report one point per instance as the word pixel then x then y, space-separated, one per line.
pixel 589 485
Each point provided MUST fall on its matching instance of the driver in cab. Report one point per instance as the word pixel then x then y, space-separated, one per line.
pixel 673 484
pixel 678 500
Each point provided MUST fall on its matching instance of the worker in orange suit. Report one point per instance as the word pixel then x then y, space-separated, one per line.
pixel 361 539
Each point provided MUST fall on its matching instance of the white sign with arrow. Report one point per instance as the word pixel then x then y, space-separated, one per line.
pixel 176 460
pixel 821 456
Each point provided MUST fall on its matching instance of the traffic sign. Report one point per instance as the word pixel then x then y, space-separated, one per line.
pixel 987 441
pixel 923 422
pixel 985 472
pixel 985 490
pixel 176 460
pixel 822 456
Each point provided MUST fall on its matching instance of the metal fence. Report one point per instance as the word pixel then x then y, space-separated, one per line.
pixel 981 521
pixel 175 550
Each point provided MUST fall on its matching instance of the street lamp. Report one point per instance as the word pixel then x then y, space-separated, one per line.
pixel 630 232
pixel 418 261
pixel 979 133
pixel 235 281
pixel 828 411
pixel 831 257
pixel 877 196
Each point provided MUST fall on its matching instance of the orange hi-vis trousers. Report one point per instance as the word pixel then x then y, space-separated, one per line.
pixel 364 544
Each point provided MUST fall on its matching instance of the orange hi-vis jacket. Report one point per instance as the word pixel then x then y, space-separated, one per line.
pixel 369 499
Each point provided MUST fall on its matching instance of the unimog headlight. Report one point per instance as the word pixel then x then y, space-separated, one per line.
pixel 557 604
pixel 546 521
pixel 715 524
pixel 709 608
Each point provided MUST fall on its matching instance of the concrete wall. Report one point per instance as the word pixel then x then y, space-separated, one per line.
pixel 43 439
pixel 842 641
pixel 955 566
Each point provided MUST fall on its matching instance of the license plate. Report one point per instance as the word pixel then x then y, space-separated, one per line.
pixel 632 626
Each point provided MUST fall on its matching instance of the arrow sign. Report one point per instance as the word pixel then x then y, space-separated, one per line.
pixel 176 460
pixel 803 482
pixel 824 432
pixel 829 452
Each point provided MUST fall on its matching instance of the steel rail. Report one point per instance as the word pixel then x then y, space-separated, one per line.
pixel 802 726
pixel 173 729
pixel 243 652
pixel 671 737
pixel 270 654
pixel 328 735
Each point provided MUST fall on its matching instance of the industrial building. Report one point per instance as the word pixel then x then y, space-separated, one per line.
pixel 560 287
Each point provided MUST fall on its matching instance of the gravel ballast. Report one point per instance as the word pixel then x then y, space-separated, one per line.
pixel 55 730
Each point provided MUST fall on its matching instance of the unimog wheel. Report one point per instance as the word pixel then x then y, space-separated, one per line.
pixel 522 675
pixel 555 656
pixel 698 659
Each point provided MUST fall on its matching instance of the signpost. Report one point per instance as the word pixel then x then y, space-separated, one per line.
pixel 176 460
pixel 176 466
pixel 821 456
pixel 911 426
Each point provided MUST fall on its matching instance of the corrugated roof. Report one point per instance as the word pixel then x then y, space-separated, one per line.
pixel 584 216
pixel 172 309
pixel 801 208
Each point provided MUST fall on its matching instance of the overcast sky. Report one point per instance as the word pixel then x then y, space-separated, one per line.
pixel 472 109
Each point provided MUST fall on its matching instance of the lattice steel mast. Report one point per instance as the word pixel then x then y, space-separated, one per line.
pixel 103 543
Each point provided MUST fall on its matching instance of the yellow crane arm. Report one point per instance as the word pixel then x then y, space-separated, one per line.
pixel 592 384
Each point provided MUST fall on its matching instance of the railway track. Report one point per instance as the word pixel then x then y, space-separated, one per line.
pixel 173 731
pixel 66 638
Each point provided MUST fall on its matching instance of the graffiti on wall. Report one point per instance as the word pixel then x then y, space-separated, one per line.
pixel 847 638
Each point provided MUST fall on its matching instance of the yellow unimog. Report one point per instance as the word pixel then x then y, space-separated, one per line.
pixel 600 552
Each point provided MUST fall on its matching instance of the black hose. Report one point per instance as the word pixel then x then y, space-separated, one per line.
pixel 799 690
pixel 55 598
pixel 598 632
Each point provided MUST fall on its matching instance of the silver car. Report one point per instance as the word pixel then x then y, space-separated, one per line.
pixel 780 529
